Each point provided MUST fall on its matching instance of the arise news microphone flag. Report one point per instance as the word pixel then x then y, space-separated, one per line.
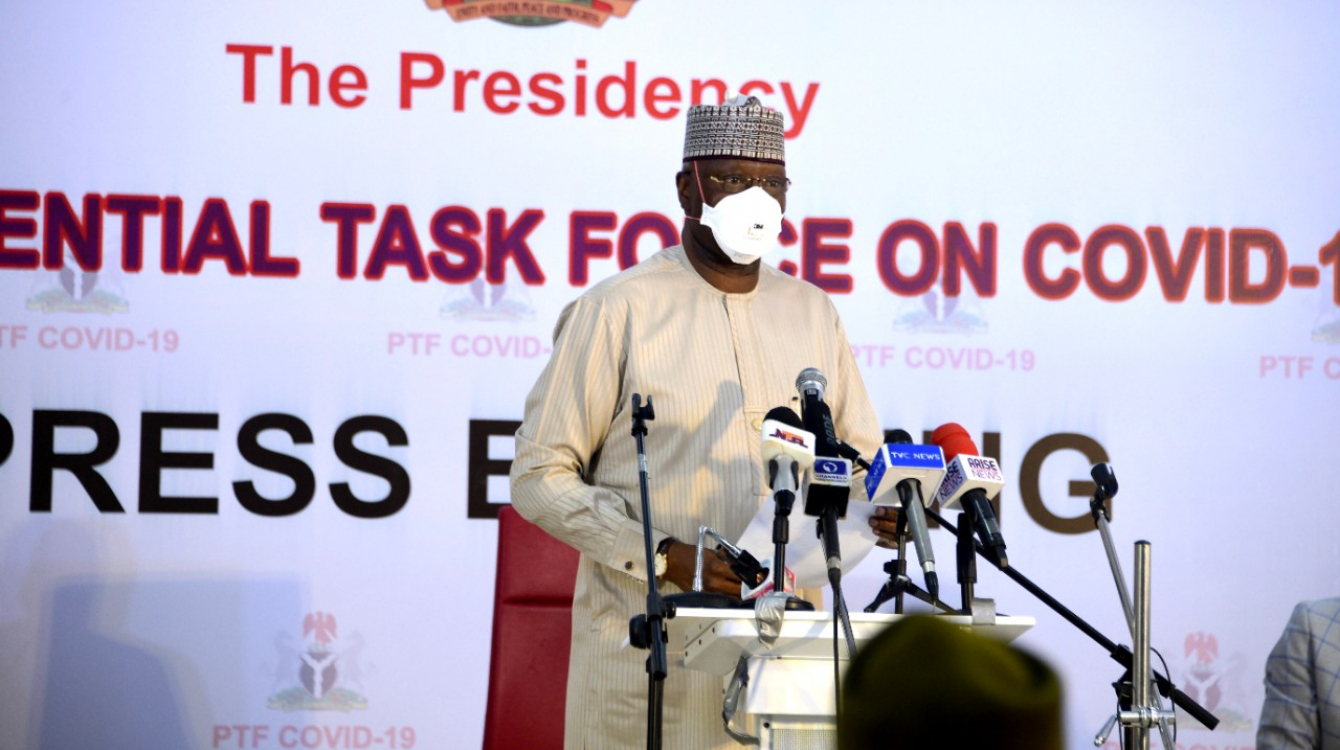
pixel 970 482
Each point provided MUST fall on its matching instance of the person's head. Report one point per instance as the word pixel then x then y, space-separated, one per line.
pixel 733 183
pixel 926 683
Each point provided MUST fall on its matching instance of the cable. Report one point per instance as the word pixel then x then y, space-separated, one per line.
pixel 837 679
pixel 1171 687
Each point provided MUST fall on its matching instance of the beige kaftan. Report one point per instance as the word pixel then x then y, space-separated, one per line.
pixel 714 364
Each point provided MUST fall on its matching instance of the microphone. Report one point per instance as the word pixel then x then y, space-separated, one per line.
pixel 814 412
pixel 830 485
pixel 970 482
pixel 818 420
pixel 788 450
pixel 831 478
pixel 1106 479
pixel 898 475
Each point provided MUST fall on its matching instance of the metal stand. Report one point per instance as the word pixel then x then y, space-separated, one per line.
pixel 1137 694
pixel 781 534
pixel 1119 654
pixel 1106 481
pixel 744 565
pixel 647 631
pixel 828 527
pixel 900 583
pixel 1143 711
pixel 981 610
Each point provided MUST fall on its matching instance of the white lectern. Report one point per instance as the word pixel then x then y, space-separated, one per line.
pixel 788 702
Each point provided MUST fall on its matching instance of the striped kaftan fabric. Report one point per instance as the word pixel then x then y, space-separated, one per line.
pixel 714 364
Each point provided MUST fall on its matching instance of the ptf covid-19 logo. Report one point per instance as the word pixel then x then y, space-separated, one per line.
pixel 535 12
pixel 323 673
pixel 1216 681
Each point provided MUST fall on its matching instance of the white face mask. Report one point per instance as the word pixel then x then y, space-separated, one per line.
pixel 745 224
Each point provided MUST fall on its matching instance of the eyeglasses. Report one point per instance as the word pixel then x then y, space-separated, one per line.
pixel 737 183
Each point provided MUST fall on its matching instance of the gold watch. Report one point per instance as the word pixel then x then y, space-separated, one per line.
pixel 661 559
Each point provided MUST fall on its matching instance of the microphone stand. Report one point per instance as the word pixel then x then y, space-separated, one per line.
pixel 818 420
pixel 900 563
pixel 1139 707
pixel 647 631
pixel 1119 654
pixel 900 583
pixel 967 562
pixel 980 610
pixel 781 535
pixel 828 529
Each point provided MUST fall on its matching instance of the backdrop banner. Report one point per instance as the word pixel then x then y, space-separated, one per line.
pixel 275 280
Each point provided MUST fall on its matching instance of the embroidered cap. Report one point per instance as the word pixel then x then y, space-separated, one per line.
pixel 741 128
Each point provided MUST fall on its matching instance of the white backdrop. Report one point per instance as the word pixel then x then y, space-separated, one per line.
pixel 180 623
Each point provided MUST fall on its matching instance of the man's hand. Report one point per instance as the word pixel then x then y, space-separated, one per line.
pixel 718 578
pixel 885 525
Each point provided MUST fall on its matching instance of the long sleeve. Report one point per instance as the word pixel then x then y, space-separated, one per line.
pixel 1289 716
pixel 855 417
pixel 715 363
pixel 568 417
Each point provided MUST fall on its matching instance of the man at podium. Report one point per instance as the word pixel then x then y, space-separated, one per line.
pixel 716 338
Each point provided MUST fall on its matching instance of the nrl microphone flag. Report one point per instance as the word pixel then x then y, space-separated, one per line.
pixel 783 437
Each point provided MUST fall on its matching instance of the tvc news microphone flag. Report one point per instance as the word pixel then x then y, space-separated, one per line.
pixel 895 463
pixel 908 476
pixel 237 231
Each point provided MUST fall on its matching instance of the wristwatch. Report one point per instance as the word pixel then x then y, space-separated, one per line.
pixel 661 559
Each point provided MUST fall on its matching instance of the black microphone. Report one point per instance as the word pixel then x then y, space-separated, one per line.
pixel 830 484
pixel 814 413
pixel 972 481
pixel 1106 479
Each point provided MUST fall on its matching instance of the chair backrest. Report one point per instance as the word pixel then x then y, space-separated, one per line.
pixel 532 637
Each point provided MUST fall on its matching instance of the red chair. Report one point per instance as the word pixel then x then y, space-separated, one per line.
pixel 532 636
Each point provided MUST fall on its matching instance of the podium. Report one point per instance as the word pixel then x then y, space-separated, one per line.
pixel 788 702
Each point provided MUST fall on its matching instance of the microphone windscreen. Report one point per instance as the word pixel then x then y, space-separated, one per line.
pixel 1105 478
pixel 811 377
pixel 954 440
pixel 785 415
pixel 900 436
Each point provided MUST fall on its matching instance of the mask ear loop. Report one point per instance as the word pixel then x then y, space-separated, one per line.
pixel 702 196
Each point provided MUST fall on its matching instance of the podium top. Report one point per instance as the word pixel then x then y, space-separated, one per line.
pixel 712 640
